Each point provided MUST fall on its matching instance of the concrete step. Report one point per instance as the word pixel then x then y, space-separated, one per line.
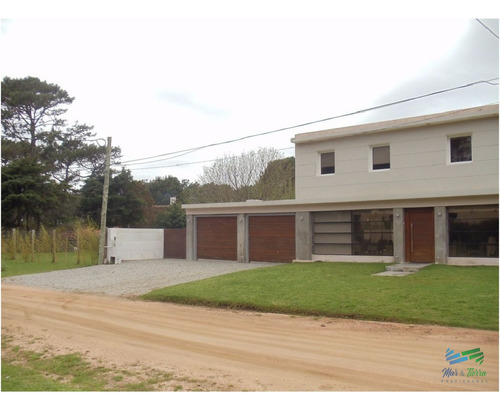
pixel 399 270
pixel 406 267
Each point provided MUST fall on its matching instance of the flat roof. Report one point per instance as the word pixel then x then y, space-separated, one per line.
pixel 490 110
pixel 323 204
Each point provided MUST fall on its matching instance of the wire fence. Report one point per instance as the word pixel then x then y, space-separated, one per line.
pixel 81 243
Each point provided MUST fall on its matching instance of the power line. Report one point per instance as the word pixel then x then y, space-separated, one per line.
pixel 190 163
pixel 486 27
pixel 180 154
pixel 188 151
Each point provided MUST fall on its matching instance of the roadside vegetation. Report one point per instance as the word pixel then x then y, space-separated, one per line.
pixel 37 252
pixel 27 370
pixel 438 294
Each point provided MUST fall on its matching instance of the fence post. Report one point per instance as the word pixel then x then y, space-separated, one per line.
pixel 14 245
pixel 66 247
pixel 78 245
pixel 32 245
pixel 54 259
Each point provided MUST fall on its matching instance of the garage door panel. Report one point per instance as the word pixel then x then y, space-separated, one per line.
pixel 217 238
pixel 272 238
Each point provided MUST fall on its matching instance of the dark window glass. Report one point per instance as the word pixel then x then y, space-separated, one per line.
pixel 372 232
pixel 460 149
pixel 473 231
pixel 381 158
pixel 367 232
pixel 328 163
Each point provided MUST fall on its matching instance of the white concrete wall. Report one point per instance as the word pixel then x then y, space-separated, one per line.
pixel 420 166
pixel 134 244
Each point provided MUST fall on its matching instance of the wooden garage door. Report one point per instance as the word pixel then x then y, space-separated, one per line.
pixel 216 238
pixel 272 238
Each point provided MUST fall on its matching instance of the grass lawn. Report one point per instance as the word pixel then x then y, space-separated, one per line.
pixel 24 370
pixel 43 263
pixel 438 294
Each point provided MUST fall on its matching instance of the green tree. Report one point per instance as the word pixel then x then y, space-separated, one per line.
pixel 173 217
pixel 74 157
pixel 277 182
pixel 91 199
pixel 27 193
pixel 162 189
pixel 33 124
pixel 33 127
pixel 31 108
pixel 13 150
pixel 127 200
pixel 209 193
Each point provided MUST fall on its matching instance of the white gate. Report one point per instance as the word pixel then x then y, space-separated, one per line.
pixel 134 244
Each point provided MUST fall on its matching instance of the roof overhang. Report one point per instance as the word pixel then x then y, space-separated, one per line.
pixel 295 206
pixel 399 124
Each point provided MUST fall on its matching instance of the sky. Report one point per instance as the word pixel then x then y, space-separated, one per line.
pixel 162 85
pixel 164 81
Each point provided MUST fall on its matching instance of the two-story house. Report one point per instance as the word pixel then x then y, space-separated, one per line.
pixel 419 189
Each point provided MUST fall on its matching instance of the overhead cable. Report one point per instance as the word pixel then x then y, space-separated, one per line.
pixel 487 28
pixel 187 151
pixel 190 163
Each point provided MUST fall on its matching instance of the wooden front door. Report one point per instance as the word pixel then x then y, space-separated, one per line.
pixel 419 235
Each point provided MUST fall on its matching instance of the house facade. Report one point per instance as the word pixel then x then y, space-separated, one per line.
pixel 419 189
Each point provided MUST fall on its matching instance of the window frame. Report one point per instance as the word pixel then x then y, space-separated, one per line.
pixel 320 160
pixel 449 151
pixel 371 165
pixel 353 232
pixel 473 231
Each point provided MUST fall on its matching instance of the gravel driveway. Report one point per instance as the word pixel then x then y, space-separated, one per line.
pixel 131 277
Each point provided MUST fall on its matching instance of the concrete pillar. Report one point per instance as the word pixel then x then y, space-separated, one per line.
pixel 241 238
pixel 303 236
pixel 441 235
pixel 191 238
pixel 399 234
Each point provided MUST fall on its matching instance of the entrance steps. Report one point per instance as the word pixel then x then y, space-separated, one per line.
pixel 401 269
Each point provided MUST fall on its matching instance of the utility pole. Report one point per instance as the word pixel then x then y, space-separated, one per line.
pixel 104 209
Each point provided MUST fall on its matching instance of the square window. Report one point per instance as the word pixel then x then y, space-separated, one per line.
pixel 460 149
pixel 381 158
pixel 328 163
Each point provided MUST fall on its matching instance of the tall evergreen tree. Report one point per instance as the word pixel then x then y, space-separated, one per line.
pixel 127 200
pixel 42 157
pixel 173 217
pixel 162 189
pixel 31 109
pixel 33 125
pixel 27 192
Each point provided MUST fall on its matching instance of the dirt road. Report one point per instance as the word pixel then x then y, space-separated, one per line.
pixel 232 350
